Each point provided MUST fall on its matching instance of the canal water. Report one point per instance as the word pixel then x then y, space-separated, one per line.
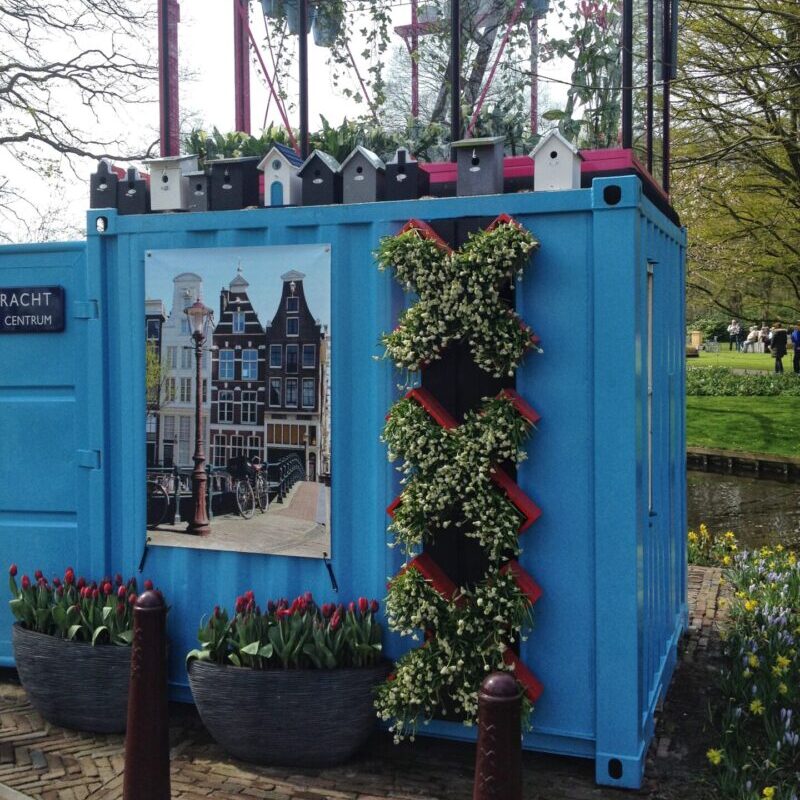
pixel 760 512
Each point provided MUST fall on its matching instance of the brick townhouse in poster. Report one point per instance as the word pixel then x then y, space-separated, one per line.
pixel 155 315
pixel 297 381
pixel 238 377
pixel 176 414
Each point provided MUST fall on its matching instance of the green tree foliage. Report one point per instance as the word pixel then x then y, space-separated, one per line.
pixel 737 154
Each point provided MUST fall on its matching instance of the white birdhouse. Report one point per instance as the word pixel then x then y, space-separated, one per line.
pixel 557 164
pixel 169 186
pixel 282 185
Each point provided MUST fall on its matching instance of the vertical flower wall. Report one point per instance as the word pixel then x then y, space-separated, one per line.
pixel 453 475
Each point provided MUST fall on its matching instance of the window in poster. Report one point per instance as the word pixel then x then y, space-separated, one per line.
pixel 265 357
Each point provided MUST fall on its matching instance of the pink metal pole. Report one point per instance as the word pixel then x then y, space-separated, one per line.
pixel 281 108
pixel 361 81
pixel 241 66
pixel 169 14
pixel 487 85
pixel 414 62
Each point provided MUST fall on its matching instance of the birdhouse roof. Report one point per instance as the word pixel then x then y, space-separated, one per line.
pixel 371 157
pixel 240 160
pixel 396 157
pixel 483 141
pixel 239 281
pixel 170 161
pixel 282 151
pixel 329 161
pixel 548 137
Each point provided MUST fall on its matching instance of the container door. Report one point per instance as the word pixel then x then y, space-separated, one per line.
pixel 51 417
pixel 276 193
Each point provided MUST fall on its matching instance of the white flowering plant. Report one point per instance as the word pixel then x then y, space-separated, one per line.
pixel 449 474
pixel 460 297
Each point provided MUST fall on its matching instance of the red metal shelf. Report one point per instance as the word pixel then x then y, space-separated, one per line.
pixel 529 510
pixel 528 585
pixel 531 684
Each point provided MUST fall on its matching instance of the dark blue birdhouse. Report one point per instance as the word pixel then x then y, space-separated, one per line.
pixel 234 183
pixel 322 180
pixel 103 186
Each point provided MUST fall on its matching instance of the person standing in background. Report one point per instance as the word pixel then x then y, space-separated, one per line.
pixel 734 329
pixel 778 342
pixel 796 346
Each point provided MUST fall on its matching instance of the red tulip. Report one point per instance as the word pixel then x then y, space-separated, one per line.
pixel 327 610
pixel 12 570
pixel 283 613
pixel 120 608
pixel 373 606
pixel 69 576
pixel 132 598
pixel 351 607
pixel 56 581
pixel 26 582
pixel 118 579
pixel 148 585
pixel 121 592
pixel 95 594
pixel 271 606
pixel 81 581
pixel 363 605
pixel 107 588
pixel 60 591
pixel 308 597
pixel 336 621
pixel 38 575
pixel 217 612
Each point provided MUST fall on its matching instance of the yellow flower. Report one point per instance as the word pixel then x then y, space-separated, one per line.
pixel 752 659
pixel 783 662
pixel 726 561
pixel 750 605
pixel 769 792
pixel 783 688
pixel 734 548
pixel 714 756
pixel 729 535
pixel 779 548
pixel 747 673
pixel 757 707
pixel 692 536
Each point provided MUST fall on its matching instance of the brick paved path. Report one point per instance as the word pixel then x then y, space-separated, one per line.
pixel 41 761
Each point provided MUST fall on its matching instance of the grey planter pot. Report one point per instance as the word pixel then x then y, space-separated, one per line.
pixel 326 28
pixel 304 717
pixel 73 684
pixel 292 10
pixel 272 8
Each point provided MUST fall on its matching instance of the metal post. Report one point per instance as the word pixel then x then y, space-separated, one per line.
pixel 414 60
pixel 534 37
pixel 303 59
pixel 241 65
pixel 199 523
pixel 455 75
pixel 168 18
pixel 147 739
pixel 498 762
pixel 627 73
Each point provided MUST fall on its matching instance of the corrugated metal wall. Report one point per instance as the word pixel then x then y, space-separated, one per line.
pixel 612 570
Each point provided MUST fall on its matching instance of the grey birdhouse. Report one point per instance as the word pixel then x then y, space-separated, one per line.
pixel 556 164
pixel 322 180
pixel 405 179
pixel 282 184
pixel 363 177
pixel 169 186
pixel 103 186
pixel 234 183
pixel 198 191
pixel 132 194
pixel 480 165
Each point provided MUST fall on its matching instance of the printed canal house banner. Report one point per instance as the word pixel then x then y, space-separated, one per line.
pixel 265 372
pixel 32 309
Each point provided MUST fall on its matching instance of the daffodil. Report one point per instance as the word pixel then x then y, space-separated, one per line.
pixel 715 756
pixel 757 707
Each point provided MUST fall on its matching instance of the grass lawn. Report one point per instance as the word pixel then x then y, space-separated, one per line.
pixel 751 424
pixel 726 358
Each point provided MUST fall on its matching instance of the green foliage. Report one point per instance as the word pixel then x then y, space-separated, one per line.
pixel 76 610
pixel 707 549
pixel 713 323
pixel 302 635
pixel 758 721
pixel 722 382
pixel 749 424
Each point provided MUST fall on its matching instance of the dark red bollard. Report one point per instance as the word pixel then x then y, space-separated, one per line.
pixel 498 764
pixel 147 738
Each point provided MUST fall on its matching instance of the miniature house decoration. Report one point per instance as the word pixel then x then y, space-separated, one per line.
pixel 363 177
pixel 169 186
pixel 322 180
pixel 234 183
pixel 103 186
pixel 198 191
pixel 405 180
pixel 557 164
pixel 282 184
pixel 480 165
pixel 132 194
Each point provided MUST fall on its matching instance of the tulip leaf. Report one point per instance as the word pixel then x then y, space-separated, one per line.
pixel 96 635
pixel 251 649
pixel 73 629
